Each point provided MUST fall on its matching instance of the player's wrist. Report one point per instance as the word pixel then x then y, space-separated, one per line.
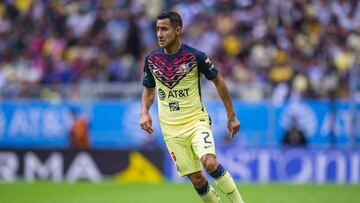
pixel 231 116
pixel 144 112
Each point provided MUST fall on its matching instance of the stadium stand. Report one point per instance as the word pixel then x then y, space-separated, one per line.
pixel 278 49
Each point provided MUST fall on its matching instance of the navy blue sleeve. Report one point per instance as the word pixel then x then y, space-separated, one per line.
pixel 148 78
pixel 206 66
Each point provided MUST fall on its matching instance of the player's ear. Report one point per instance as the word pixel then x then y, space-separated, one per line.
pixel 178 30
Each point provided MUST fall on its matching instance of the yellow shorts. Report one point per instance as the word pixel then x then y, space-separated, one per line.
pixel 187 149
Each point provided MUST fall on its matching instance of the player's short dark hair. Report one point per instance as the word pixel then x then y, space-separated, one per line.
pixel 175 18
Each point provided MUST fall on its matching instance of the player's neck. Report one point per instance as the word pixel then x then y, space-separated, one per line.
pixel 174 48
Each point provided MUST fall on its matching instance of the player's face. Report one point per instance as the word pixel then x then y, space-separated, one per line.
pixel 166 34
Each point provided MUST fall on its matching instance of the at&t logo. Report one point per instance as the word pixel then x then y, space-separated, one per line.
pixel 162 94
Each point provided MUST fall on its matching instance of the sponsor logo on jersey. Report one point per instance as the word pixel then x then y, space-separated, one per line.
pixel 210 63
pixel 173 93
pixel 162 94
pixel 179 93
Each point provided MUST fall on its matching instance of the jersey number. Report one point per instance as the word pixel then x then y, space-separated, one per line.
pixel 207 135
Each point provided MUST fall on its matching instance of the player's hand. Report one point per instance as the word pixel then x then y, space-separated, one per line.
pixel 233 125
pixel 146 122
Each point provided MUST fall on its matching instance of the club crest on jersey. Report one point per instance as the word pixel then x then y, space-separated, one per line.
pixel 184 69
pixel 174 106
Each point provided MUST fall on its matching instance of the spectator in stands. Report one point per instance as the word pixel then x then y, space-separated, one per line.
pixel 276 44
pixel 79 132
pixel 294 136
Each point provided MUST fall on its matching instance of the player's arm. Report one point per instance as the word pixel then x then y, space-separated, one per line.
pixel 147 100
pixel 233 124
pixel 210 72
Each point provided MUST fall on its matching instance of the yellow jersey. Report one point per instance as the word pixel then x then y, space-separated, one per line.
pixel 177 79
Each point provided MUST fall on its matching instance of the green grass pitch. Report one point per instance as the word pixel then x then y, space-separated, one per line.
pixel 111 192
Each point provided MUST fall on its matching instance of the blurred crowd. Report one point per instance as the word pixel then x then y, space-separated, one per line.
pixel 280 48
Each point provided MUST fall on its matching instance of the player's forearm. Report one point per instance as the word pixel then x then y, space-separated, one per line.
pixel 147 99
pixel 224 95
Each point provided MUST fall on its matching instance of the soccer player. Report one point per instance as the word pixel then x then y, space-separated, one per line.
pixel 173 72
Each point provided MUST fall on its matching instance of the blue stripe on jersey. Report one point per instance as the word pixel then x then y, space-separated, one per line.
pixel 199 89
